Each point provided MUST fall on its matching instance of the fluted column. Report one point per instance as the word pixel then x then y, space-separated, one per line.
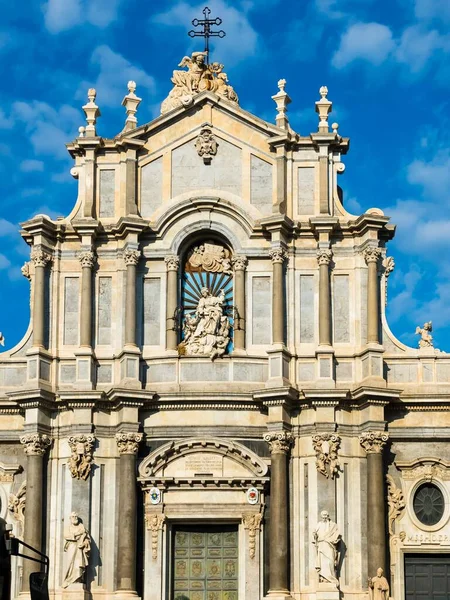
pixel 35 445
pixel 371 256
pixel 131 258
pixel 324 256
pixel 87 259
pixel 40 260
pixel 278 256
pixel 279 445
pixel 239 264
pixel 128 444
pixel 373 443
pixel 172 264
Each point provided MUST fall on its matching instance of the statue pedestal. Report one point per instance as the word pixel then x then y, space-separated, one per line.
pixel 327 591
pixel 278 595
pixel 76 591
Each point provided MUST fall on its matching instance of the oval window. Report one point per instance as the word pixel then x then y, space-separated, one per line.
pixel 429 504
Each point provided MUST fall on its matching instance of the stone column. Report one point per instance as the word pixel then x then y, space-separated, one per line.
pixel 373 443
pixel 40 260
pixel 371 256
pixel 172 264
pixel 324 258
pixel 131 258
pixel 279 445
pixel 278 256
pixel 239 264
pixel 87 259
pixel 127 444
pixel 35 446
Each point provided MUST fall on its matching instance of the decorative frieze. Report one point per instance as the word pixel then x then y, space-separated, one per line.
pixel 87 259
pixel 39 257
pixel 154 522
pixel 373 442
pixel 80 462
pixel 278 255
pixel 324 256
pixel 239 262
pixel 396 503
pixel 252 523
pixel 16 504
pixel 372 255
pixel 35 443
pixel 128 443
pixel 172 262
pixel 279 442
pixel 131 257
pixel 326 447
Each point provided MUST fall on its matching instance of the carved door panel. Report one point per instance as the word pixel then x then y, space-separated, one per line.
pixel 205 563
pixel 427 577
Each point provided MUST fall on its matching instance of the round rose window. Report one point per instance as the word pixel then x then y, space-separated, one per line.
pixel 429 504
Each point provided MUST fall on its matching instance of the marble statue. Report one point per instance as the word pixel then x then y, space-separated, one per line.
pixel 211 257
pixel 426 339
pixel 207 331
pixel 200 77
pixel 378 587
pixel 326 538
pixel 78 546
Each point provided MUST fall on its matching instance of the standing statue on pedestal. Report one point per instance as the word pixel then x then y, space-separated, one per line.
pixel 378 587
pixel 326 538
pixel 78 547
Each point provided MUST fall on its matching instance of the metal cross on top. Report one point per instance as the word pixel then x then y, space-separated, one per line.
pixel 206 32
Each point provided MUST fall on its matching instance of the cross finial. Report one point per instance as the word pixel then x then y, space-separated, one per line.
pixel 206 31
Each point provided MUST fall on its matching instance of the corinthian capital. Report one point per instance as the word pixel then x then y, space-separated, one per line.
pixel 128 443
pixel 324 256
pixel 278 255
pixel 172 262
pixel 35 443
pixel 279 442
pixel 239 262
pixel 372 255
pixel 39 257
pixel 373 442
pixel 87 259
pixel 131 257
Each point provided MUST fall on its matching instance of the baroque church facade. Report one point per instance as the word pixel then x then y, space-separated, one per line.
pixel 208 403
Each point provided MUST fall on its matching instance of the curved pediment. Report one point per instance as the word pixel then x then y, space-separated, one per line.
pixel 202 458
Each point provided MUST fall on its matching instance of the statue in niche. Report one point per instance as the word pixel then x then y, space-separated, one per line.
pixel 326 538
pixel 378 587
pixel 207 331
pixel 426 339
pixel 78 546
pixel 211 257
pixel 199 77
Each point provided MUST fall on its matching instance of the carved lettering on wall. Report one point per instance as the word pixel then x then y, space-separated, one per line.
pixel 204 464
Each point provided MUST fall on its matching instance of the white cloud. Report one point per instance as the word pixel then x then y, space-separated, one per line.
pixel 433 10
pixel 371 42
pixel 4 262
pixel 30 165
pixel 114 73
pixel 62 15
pixel 433 176
pixel 7 228
pixel 417 45
pixel 5 122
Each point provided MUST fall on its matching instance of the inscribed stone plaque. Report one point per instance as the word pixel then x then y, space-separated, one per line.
pixel 104 310
pixel 305 205
pixel 71 310
pixel 211 464
pixel 261 311
pixel 151 187
pixel 307 312
pixel 152 311
pixel 261 184
pixel 341 309
pixel 107 192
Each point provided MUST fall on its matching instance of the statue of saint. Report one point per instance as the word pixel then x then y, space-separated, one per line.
pixel 78 546
pixel 378 587
pixel 326 538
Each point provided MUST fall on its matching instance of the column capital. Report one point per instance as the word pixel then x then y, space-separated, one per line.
pixel 372 255
pixel 35 444
pixel 172 262
pixel 131 257
pixel 39 257
pixel 324 256
pixel 278 254
pixel 87 259
pixel 128 443
pixel 239 262
pixel 373 442
pixel 280 442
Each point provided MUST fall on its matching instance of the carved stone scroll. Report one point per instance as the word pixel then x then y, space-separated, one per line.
pixel 279 442
pixel 35 443
pixel 80 462
pixel 373 441
pixel 16 504
pixel 326 447
pixel 128 443
pixel 252 522
pixel 396 502
pixel 154 523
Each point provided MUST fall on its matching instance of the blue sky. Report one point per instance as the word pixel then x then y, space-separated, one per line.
pixel 386 65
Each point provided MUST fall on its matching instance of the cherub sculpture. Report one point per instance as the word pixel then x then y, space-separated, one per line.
pixel 426 339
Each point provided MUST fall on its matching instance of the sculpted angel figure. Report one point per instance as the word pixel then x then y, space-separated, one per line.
pixel 78 546
pixel 426 339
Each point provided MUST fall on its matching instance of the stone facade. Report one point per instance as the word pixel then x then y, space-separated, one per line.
pixel 209 349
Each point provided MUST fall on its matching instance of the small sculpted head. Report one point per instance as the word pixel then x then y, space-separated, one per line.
pixel 74 518
pixel 204 291
pixel 324 516
pixel 379 572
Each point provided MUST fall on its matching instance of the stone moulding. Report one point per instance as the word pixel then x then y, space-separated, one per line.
pixel 7 472
pixel 427 468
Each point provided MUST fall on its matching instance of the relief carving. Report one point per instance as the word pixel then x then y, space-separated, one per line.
pixel 279 442
pixel 128 443
pixel 373 441
pixel 252 522
pixel 16 504
pixel 212 258
pixel 206 145
pixel 396 502
pixel 80 462
pixel 326 447
pixel 155 523
pixel 35 443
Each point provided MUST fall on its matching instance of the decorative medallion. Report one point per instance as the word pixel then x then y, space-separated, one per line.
pixel 206 145
pixel 155 495
pixel 326 448
pixel 252 495
pixel 80 462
